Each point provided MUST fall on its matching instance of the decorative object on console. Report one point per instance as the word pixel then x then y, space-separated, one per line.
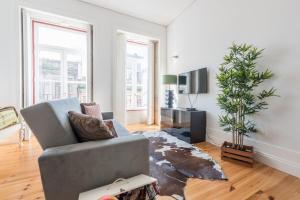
pixel 184 124
pixel 237 79
pixel 173 161
pixel 169 80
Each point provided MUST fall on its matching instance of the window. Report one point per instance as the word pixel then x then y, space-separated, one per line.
pixel 136 76
pixel 60 63
pixel 57 58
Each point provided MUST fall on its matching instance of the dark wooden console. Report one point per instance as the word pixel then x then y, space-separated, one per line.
pixel 189 126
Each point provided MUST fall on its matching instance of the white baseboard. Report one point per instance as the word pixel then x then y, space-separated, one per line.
pixel 277 157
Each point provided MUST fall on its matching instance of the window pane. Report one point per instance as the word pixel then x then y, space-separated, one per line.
pixel 51 35
pixel 49 65
pixel 140 101
pixel 49 90
pixel 139 73
pixel 77 90
pixel 50 73
pixel 141 97
pixel 76 70
pixel 129 75
pixel 129 89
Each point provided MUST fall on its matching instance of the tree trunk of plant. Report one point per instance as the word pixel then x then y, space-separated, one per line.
pixel 241 123
pixel 237 133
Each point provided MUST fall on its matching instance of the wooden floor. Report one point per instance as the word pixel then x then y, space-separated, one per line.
pixel 19 176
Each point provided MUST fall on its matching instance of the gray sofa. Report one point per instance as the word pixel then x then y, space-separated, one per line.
pixel 68 167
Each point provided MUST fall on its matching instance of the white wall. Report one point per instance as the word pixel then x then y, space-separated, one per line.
pixel 201 36
pixel 136 117
pixel 105 24
pixel 9 72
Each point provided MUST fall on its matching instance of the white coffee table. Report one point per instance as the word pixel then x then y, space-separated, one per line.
pixel 115 188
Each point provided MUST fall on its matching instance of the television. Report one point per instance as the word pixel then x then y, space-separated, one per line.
pixel 193 82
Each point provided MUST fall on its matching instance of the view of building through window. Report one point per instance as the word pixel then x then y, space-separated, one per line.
pixel 60 63
pixel 137 63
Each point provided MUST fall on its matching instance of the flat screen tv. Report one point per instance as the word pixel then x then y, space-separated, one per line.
pixel 193 82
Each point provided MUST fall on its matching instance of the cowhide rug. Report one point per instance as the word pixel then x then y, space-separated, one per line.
pixel 173 161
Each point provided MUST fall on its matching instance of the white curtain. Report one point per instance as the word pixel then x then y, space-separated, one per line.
pixel 151 75
pixel 119 79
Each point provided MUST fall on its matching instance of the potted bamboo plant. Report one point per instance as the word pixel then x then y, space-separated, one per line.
pixel 238 79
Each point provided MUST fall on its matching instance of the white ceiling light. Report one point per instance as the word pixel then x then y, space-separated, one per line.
pixel 157 11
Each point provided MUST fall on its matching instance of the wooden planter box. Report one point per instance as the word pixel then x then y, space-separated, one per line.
pixel 245 156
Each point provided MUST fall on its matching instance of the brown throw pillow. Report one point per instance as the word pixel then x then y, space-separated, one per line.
pixel 88 128
pixel 91 109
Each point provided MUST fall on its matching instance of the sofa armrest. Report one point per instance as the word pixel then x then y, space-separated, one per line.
pixel 107 115
pixel 69 170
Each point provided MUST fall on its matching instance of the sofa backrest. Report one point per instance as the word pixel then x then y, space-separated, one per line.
pixel 49 122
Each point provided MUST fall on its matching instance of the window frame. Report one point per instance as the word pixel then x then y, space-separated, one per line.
pixel 29 20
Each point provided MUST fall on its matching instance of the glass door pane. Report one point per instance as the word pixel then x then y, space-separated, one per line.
pixel 136 76
pixel 76 77
pixel 49 73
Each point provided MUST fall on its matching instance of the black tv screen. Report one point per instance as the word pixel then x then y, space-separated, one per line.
pixel 193 82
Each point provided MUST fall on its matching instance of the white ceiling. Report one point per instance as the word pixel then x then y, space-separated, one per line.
pixel 158 11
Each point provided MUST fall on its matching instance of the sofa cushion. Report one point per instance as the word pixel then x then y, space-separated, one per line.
pixel 89 128
pixel 86 104
pixel 91 109
pixel 49 122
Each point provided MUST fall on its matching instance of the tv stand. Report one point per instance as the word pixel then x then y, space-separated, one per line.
pixel 191 109
pixel 187 125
